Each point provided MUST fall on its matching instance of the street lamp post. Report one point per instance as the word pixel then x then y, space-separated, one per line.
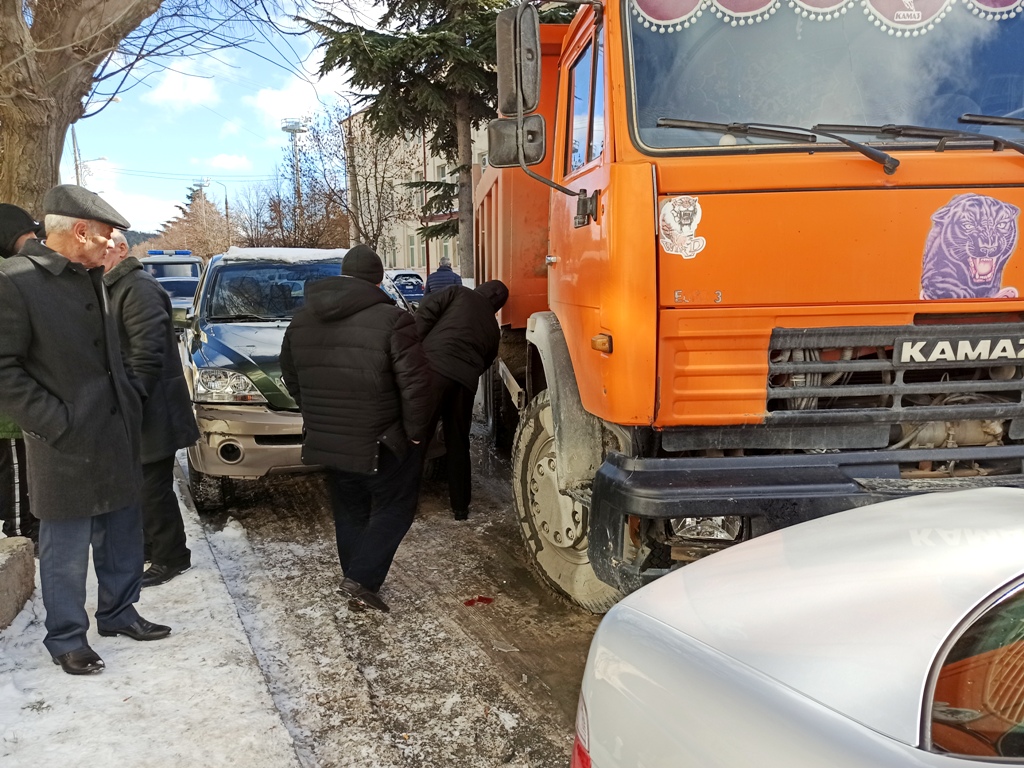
pixel 201 185
pixel 294 126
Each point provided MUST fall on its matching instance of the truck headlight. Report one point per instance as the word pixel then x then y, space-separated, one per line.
pixel 216 385
pixel 726 528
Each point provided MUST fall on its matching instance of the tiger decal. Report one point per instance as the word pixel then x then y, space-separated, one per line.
pixel 971 240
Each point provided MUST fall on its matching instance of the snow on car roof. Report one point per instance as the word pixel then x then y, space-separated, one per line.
pixel 235 253
pixel 851 609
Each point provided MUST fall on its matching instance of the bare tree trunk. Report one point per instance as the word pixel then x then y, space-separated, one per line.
pixel 464 132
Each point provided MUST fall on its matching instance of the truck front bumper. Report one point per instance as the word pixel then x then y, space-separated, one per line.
pixel 773 492
pixel 247 442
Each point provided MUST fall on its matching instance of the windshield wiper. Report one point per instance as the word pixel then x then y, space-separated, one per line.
pixel 944 135
pixel 991 120
pixel 243 316
pixel 785 133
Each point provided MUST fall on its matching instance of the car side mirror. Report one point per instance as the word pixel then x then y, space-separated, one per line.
pixel 517 38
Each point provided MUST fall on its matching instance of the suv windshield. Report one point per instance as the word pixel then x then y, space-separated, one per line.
pixel 247 291
pixel 180 288
pixel 873 63
pixel 167 268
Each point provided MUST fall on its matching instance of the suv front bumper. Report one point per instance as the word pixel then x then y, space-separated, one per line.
pixel 247 441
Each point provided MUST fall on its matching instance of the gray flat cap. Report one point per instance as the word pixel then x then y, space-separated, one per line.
pixel 79 203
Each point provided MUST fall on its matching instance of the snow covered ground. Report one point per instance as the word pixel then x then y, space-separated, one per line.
pixel 266 665
pixel 196 698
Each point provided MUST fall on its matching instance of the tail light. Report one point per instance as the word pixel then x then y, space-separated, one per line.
pixel 581 746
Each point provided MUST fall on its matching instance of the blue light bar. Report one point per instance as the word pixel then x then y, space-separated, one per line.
pixel 169 253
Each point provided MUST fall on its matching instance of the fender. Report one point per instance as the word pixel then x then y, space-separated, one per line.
pixel 577 432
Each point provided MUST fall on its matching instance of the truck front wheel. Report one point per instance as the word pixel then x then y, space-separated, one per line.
pixel 553 524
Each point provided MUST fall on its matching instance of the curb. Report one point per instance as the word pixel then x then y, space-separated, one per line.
pixel 17 576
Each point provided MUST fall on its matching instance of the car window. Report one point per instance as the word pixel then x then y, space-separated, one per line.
pixel 270 291
pixel 409 283
pixel 173 269
pixel 978 704
pixel 180 289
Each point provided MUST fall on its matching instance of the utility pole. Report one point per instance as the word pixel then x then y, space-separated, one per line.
pixel 294 126
pixel 201 185
pixel 78 157
pixel 227 212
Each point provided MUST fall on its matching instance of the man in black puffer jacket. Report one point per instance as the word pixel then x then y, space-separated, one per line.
pixel 460 338
pixel 353 362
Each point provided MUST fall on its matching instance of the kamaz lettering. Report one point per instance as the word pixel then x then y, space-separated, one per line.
pixel 958 350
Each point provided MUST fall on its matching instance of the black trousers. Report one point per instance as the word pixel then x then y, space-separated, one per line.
pixel 9 451
pixel 372 514
pixel 455 411
pixel 161 516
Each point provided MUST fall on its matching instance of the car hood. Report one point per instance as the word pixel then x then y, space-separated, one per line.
pixel 851 609
pixel 250 348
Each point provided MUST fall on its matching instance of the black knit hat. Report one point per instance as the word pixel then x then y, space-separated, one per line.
pixel 79 203
pixel 364 263
pixel 14 222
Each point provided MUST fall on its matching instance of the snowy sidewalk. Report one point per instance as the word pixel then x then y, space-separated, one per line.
pixel 195 698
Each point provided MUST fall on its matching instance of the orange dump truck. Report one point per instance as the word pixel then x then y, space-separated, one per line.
pixel 764 265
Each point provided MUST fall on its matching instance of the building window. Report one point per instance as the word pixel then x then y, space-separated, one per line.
pixel 412 250
pixel 445 248
pixel 423 252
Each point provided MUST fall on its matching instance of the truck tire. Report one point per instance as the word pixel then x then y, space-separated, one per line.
pixel 552 523
pixel 207 491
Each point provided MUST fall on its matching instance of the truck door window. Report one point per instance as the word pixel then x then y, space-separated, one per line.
pixel 581 81
pixel 597 119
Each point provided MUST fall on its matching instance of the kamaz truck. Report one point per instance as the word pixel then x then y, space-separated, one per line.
pixel 764 266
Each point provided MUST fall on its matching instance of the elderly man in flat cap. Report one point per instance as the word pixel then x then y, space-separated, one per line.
pixel 63 381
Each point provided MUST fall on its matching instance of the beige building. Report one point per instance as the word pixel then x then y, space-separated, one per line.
pixel 379 201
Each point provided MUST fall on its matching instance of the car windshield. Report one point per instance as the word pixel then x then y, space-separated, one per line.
pixel 978 704
pixel 814 62
pixel 180 288
pixel 172 269
pixel 264 291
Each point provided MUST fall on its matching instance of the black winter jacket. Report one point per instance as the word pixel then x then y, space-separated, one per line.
pixel 354 364
pixel 459 332
pixel 143 312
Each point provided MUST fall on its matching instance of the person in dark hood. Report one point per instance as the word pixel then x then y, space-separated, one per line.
pixel 355 366
pixel 460 338
pixel 17 227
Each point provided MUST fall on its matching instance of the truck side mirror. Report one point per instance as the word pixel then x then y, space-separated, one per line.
pixel 517 33
pixel 502 149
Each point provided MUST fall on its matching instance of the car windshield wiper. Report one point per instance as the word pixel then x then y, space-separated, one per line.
pixel 241 316
pixel 944 135
pixel 785 133
pixel 991 120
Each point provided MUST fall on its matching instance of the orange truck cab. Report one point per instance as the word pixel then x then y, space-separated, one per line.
pixel 765 265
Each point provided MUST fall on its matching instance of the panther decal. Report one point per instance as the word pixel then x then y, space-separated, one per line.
pixel 971 240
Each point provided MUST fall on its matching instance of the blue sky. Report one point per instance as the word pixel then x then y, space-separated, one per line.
pixel 217 116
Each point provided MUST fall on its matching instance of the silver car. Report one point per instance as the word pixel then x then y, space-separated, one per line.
pixel 890 635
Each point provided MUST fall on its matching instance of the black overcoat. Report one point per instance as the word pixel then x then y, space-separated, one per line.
pixel 143 312
pixel 63 381
pixel 459 331
pixel 354 364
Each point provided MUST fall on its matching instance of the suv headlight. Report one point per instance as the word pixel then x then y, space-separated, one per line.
pixel 216 385
pixel 726 528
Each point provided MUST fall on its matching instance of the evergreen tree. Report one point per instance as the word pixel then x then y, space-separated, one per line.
pixel 427 67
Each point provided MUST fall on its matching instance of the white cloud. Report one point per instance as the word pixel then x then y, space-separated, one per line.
pixel 144 212
pixel 299 97
pixel 181 88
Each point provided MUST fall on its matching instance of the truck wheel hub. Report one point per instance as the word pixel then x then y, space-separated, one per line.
pixel 559 519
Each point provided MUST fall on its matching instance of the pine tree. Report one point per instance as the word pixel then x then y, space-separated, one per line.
pixel 428 67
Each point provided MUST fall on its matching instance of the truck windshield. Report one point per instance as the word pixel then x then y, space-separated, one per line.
pixel 811 62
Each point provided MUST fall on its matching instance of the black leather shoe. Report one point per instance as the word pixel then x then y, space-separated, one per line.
pixel 160 574
pixel 361 595
pixel 81 661
pixel 140 629
pixel 461 514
